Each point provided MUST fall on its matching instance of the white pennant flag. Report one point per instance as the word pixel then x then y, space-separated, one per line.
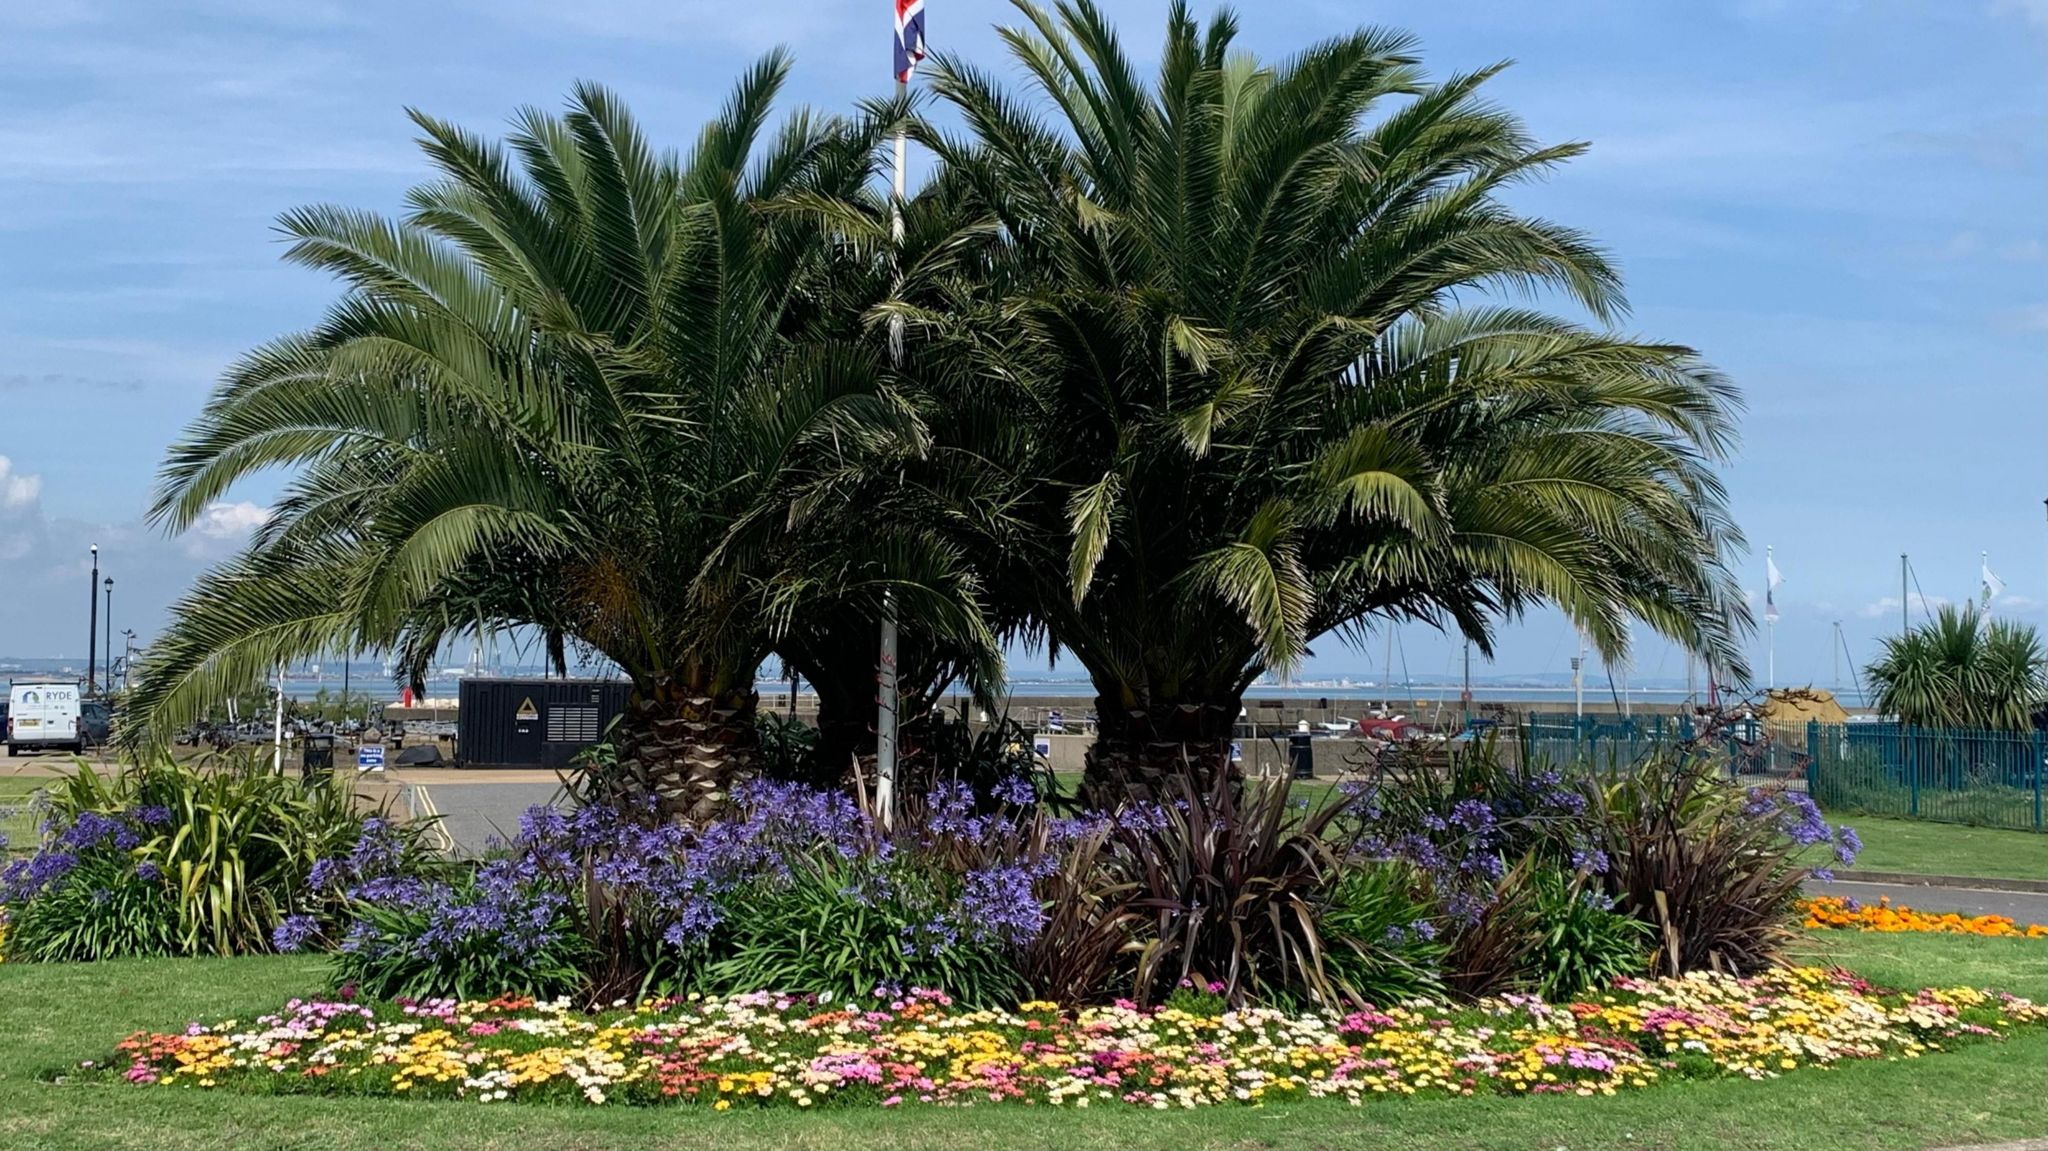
pixel 1773 579
pixel 1993 586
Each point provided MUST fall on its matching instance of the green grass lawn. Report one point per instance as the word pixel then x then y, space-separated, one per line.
pixel 50 1017
pixel 1948 849
pixel 15 823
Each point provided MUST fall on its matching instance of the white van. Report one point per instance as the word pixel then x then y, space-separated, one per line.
pixel 44 714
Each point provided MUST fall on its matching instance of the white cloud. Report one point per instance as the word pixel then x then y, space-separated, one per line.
pixel 1889 606
pixel 2032 10
pixel 225 520
pixel 18 492
pixel 224 525
pixel 1963 245
pixel 21 511
pixel 2022 251
pixel 2027 318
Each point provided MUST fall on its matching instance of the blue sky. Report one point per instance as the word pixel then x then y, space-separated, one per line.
pixel 1840 203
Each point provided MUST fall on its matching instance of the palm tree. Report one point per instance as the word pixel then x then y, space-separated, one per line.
pixel 938 518
pixel 582 388
pixel 1242 305
pixel 1960 670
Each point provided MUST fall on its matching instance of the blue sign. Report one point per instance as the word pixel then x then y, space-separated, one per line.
pixel 370 757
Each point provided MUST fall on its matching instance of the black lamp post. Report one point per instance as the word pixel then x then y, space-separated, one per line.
pixel 92 639
pixel 109 661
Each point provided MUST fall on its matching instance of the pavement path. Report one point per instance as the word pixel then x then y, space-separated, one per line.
pixel 2022 906
pixel 472 813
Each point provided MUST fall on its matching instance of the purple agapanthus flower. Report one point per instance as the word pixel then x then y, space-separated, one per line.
pixel 1017 791
pixel 294 932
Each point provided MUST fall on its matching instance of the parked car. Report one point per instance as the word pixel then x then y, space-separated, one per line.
pixel 96 721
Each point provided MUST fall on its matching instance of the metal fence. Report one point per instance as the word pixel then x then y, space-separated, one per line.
pixel 1744 749
pixel 1989 778
pixel 1600 740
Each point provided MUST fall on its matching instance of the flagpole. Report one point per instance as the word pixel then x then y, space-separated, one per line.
pixel 1770 622
pixel 277 728
pixel 1579 679
pixel 1905 615
pixel 885 671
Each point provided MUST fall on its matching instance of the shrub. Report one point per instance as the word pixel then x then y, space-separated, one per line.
pixel 173 859
pixel 464 937
pixel 850 926
pixel 102 909
pixel 1490 951
pixel 1461 825
pixel 990 758
pixel 517 922
pixel 797 889
pixel 1381 942
pixel 786 745
pixel 1714 871
pixel 1232 878
pixel 1547 930
pixel 1582 941
pixel 1090 924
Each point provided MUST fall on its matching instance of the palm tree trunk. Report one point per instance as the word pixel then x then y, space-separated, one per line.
pixel 1140 749
pixel 683 747
pixel 840 666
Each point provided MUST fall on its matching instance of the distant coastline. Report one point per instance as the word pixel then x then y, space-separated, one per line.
pixel 369 681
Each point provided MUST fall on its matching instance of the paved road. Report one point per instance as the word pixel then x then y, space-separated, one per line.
pixel 475 806
pixel 2025 907
pixel 474 812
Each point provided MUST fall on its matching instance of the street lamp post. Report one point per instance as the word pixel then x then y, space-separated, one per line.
pixel 92 638
pixel 109 662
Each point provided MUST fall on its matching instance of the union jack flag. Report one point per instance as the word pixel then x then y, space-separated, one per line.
pixel 909 37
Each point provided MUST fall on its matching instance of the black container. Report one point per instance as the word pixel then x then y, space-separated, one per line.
pixel 1301 754
pixel 534 722
pixel 316 758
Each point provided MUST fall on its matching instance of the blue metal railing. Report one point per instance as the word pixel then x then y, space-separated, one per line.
pixel 1989 778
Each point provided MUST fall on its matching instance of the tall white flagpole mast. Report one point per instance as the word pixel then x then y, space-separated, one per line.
pixel 1579 679
pixel 277 728
pixel 885 677
pixel 908 53
pixel 1770 620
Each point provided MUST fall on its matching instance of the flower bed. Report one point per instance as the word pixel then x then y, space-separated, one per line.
pixel 763 1049
pixel 1830 911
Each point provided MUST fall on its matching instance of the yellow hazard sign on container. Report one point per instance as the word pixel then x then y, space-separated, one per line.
pixel 527 713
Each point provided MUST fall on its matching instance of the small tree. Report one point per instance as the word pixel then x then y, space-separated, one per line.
pixel 1960 670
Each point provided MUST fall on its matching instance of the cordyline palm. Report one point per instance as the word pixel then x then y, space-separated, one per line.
pixel 552 396
pixel 1243 313
pixel 1960 670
